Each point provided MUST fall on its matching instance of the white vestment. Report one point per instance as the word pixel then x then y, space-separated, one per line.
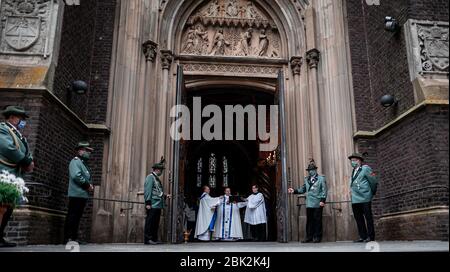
pixel 228 224
pixel 256 210
pixel 205 216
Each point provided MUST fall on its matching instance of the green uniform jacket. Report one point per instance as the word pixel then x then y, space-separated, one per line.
pixel 363 185
pixel 14 150
pixel 153 192
pixel 79 178
pixel 315 193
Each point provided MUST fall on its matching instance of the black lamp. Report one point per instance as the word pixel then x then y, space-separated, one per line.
pixel 79 87
pixel 388 100
pixel 391 24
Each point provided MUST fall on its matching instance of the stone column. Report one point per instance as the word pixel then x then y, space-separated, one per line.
pixel 335 106
pixel 124 173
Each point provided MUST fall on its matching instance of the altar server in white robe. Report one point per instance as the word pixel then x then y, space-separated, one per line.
pixel 228 224
pixel 206 215
pixel 255 214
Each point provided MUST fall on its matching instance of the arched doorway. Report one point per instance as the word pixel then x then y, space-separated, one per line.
pixel 237 164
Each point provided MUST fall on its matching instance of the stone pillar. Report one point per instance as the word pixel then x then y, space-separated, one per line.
pixel 335 106
pixel 124 175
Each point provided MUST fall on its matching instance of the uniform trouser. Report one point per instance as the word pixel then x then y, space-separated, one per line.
pixel 363 214
pixel 314 223
pixel 74 214
pixel 258 232
pixel 5 220
pixel 152 225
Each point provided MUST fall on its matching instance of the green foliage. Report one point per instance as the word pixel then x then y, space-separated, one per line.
pixel 9 194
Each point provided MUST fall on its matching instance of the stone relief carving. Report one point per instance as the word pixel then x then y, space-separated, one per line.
pixel 231 68
pixel 296 65
pixel 149 49
pixel 433 42
pixel 427 44
pixel 312 58
pixel 24 26
pixel 230 28
pixel 166 59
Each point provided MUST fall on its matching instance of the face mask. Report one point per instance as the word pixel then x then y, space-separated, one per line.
pixel 312 172
pixel 354 164
pixel 86 156
pixel 21 124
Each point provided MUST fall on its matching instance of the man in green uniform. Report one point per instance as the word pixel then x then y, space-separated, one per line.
pixel 363 186
pixel 154 202
pixel 15 155
pixel 80 185
pixel 315 187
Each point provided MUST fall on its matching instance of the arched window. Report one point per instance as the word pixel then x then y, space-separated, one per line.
pixel 199 172
pixel 212 170
pixel 225 171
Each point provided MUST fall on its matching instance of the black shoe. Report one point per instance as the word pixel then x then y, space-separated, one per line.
pixel 369 240
pixel 4 243
pixel 307 240
pixel 150 242
pixel 360 240
pixel 316 241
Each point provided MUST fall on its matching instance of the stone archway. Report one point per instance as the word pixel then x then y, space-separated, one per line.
pixel 151 38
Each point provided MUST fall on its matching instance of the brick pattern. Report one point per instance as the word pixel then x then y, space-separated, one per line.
pixel 85 54
pixel 52 133
pixel 410 158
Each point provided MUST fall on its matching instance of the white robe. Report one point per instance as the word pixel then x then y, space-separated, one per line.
pixel 205 215
pixel 228 224
pixel 256 210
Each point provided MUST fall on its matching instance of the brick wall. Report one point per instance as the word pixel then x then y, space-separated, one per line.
pixel 85 54
pixel 411 157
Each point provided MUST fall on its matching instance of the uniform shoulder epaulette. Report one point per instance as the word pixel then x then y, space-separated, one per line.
pixel 76 158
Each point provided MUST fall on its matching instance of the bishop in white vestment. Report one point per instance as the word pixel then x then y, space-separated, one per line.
pixel 255 214
pixel 228 224
pixel 206 215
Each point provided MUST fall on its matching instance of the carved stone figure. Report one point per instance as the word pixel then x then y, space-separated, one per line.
pixel 201 40
pixel 219 44
pixel 189 46
pixel 263 43
pixel 213 9
pixel 232 8
pixel 246 42
pixel 251 12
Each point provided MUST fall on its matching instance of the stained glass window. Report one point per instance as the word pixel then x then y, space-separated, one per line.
pixel 199 172
pixel 225 171
pixel 212 170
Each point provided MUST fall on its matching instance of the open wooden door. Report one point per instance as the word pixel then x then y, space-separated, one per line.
pixel 281 182
pixel 176 212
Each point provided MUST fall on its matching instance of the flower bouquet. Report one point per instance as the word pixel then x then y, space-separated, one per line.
pixel 12 190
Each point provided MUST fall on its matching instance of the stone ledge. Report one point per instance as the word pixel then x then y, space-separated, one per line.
pixel 376 133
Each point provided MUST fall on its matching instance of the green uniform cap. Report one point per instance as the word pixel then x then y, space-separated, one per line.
pixel 356 155
pixel 160 164
pixel 15 110
pixel 312 165
pixel 85 145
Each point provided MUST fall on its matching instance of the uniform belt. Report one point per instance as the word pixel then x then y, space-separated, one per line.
pixel 7 163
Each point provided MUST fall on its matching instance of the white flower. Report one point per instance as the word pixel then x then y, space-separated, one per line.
pixel 18 182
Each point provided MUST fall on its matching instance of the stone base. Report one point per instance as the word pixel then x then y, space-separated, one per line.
pixel 34 225
pixel 423 224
